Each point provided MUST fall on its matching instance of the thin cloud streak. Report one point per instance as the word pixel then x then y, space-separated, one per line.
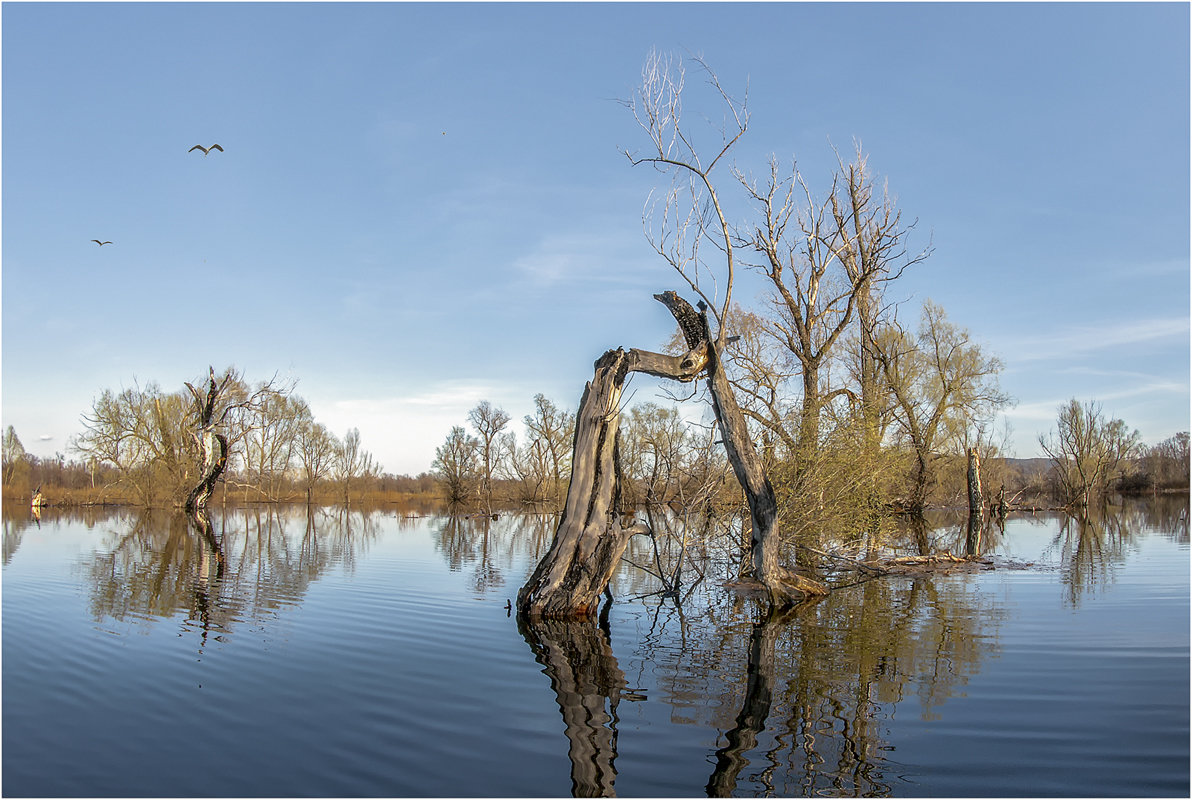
pixel 1083 340
pixel 1047 410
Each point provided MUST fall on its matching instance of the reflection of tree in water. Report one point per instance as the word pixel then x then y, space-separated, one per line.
pixel 578 659
pixel 1164 514
pixel 13 530
pixel 1092 545
pixel 246 565
pixel 490 547
pixel 805 693
pixel 18 518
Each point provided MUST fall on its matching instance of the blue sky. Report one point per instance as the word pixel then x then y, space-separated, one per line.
pixel 423 206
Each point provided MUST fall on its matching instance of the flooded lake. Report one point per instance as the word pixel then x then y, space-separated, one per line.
pixel 350 654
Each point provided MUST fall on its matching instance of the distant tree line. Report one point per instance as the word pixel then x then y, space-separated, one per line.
pixel 663 458
pixel 139 446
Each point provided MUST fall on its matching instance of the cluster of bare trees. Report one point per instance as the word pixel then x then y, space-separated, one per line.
pixel 1166 465
pixel 664 458
pixel 156 446
pixel 487 461
pixel 1092 454
pixel 850 407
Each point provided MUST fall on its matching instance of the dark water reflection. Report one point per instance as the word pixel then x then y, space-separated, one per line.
pixel 347 653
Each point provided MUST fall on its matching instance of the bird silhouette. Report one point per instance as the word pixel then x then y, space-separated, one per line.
pixel 205 150
pixel 98 242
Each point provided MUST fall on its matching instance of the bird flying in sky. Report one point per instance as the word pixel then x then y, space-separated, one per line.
pixel 205 150
pixel 98 242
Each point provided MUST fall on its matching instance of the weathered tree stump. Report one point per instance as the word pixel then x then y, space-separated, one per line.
pixel 214 460
pixel 592 536
pixel 972 544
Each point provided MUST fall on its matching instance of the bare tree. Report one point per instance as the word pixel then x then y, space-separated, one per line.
pixel 489 421
pixel 317 449
pixel 813 295
pixel 763 373
pixel 657 107
pixel 549 433
pixel 273 430
pixel 874 251
pixel 142 432
pixel 1167 463
pixel 1087 450
pixel 455 464
pixel 529 467
pixel 352 462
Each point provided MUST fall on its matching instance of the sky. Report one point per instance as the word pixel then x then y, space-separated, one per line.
pixel 421 206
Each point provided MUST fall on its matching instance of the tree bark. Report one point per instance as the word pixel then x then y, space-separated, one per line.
pixel 972 545
pixel 592 536
pixel 782 585
pixel 213 462
pixel 974 482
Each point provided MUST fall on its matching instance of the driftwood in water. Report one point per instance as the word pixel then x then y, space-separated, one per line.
pixel 592 536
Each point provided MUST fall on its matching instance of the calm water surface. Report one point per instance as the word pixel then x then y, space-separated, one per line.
pixel 348 654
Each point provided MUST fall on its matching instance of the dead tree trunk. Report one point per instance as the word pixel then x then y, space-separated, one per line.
pixel 213 460
pixel 782 585
pixel 592 536
pixel 972 545
pixel 974 482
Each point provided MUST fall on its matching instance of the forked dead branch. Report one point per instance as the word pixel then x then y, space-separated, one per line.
pixel 593 533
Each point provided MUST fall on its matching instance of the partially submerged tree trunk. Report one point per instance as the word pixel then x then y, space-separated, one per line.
pixel 972 545
pixel 782 585
pixel 591 536
pixel 974 482
pixel 214 459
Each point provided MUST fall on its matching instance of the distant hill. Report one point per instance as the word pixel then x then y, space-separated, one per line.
pixel 1026 466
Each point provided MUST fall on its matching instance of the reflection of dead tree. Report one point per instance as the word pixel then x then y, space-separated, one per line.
pixel 751 720
pixel 210 571
pixel 584 675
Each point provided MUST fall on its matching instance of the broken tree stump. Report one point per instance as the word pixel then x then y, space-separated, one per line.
pixel 592 535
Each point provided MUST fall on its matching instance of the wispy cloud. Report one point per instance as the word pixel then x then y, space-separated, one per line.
pixel 1081 340
pixel 589 258
pixel 1046 410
